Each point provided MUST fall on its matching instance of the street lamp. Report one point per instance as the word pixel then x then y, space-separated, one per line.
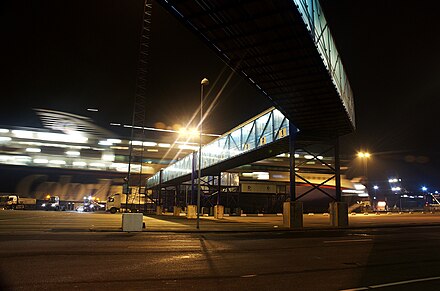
pixel 203 83
pixel 375 187
pixel 364 156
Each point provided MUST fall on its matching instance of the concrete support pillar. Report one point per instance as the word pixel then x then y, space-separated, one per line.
pixel 193 175
pixel 338 172
pixel 293 214
pixel 191 212
pixel 292 175
pixel 339 214
pixel 160 187
pixel 177 210
pixel 219 210
pixel 159 210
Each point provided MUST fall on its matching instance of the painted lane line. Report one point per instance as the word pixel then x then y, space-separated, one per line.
pixel 248 276
pixel 394 284
pixel 347 240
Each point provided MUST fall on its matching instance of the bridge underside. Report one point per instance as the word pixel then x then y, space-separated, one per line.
pixel 293 63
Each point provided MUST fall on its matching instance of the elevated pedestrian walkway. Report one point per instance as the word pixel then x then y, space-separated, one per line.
pixel 285 50
pixel 263 136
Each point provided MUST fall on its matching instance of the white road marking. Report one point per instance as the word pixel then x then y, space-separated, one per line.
pixel 347 240
pixel 393 284
pixel 248 276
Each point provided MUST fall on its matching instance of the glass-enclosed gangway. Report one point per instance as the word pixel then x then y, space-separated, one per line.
pixel 262 136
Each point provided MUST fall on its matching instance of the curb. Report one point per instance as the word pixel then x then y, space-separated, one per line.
pixel 307 229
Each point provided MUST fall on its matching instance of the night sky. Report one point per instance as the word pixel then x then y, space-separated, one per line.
pixel 74 55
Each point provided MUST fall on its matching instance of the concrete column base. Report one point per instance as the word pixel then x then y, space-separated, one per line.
pixel 219 210
pixel 177 210
pixel 191 212
pixel 158 210
pixel 293 214
pixel 338 214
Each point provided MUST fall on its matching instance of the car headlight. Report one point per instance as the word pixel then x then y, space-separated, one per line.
pixel 43 205
pixel 53 205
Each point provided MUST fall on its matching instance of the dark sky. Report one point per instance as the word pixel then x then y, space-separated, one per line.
pixel 73 55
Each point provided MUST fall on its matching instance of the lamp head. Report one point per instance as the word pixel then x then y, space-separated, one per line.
pixel 204 82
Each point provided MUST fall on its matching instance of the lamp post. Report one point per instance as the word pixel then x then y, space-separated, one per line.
pixel 424 190
pixel 203 83
pixel 375 187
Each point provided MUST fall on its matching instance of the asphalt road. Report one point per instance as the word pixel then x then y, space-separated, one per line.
pixel 36 256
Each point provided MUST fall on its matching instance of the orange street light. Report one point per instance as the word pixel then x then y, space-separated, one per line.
pixel 364 155
pixel 188 132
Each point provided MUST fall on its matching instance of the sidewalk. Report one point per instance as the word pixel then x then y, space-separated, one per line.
pixel 168 223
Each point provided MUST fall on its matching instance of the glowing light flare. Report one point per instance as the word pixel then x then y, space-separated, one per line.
pixel 261 175
pixel 188 132
pixel 358 186
pixel 105 142
pixel 381 203
pixel 364 155
pixel 108 157
pixel 4 158
pixel 73 153
pixel 23 133
pixel 149 144
pixel 5 139
pixel 114 140
pixel 33 150
pixel 79 164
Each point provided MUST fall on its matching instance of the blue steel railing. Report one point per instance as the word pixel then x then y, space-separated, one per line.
pixel 313 17
pixel 261 130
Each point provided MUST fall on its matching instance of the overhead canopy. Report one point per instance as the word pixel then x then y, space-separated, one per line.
pixel 285 50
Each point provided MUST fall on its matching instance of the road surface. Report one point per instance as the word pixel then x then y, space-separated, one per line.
pixel 72 258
